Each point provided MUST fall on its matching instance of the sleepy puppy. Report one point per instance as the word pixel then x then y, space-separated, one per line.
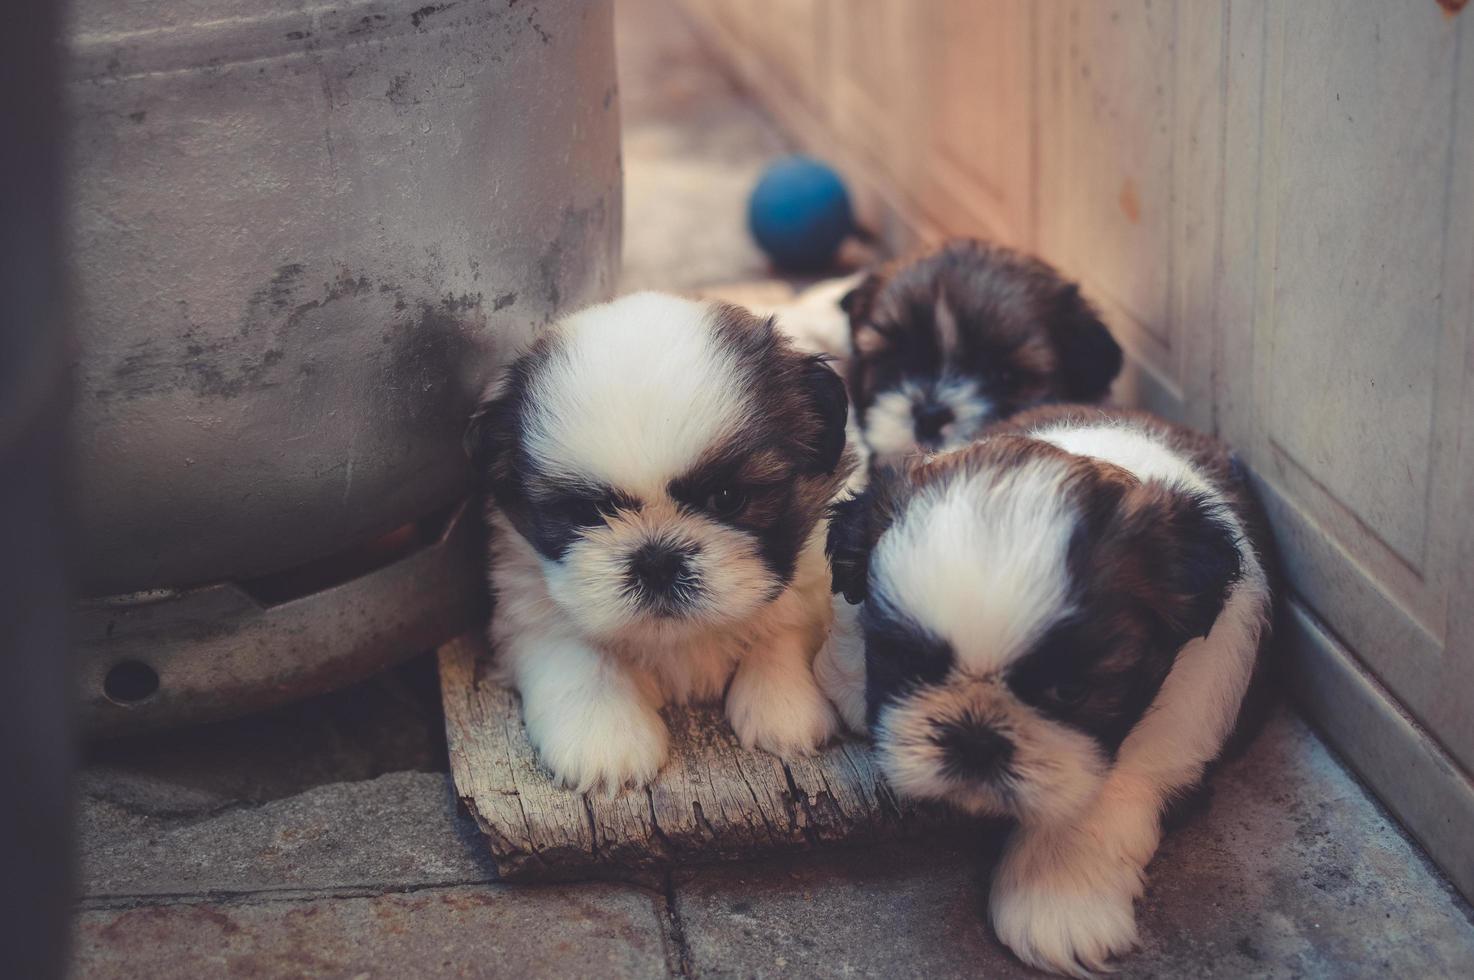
pixel 657 472
pixel 967 335
pixel 1060 623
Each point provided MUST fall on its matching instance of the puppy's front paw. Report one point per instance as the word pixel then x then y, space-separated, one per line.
pixel 782 713
pixel 1064 907
pixel 606 745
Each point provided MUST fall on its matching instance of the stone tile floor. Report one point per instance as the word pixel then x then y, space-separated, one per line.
pixel 323 839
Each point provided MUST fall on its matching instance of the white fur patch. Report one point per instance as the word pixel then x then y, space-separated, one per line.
pixel 1130 447
pixel 635 392
pixel 814 320
pixel 1062 895
pixel 594 723
pixel 774 702
pixel 890 426
pixel 981 563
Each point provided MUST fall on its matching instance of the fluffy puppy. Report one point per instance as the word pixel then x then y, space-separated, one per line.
pixel 963 337
pixel 657 471
pixel 1060 623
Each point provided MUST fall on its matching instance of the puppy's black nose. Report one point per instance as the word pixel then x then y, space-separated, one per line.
pixel 929 420
pixel 657 567
pixel 971 751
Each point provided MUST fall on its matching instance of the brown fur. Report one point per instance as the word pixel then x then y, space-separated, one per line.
pixel 1022 330
pixel 1218 463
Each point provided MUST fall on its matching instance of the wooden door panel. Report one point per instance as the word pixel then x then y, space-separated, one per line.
pixel 980 169
pixel 871 82
pixel 1105 128
pixel 1353 345
pixel 793 36
pixel 1359 320
pixel 1450 709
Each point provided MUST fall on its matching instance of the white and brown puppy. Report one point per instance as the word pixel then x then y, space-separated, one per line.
pixel 658 471
pixel 1060 623
pixel 969 334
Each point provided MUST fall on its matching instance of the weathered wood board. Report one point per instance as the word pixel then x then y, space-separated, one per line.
pixel 713 800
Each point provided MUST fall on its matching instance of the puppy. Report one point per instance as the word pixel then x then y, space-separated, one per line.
pixel 970 334
pixel 1060 623
pixel 657 472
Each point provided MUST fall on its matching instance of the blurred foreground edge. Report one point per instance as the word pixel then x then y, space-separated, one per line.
pixel 35 727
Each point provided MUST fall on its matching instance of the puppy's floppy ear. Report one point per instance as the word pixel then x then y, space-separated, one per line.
pixel 848 548
pixel 856 302
pixel 491 432
pixel 1089 357
pixel 855 525
pixel 478 439
pixel 826 396
pixel 859 305
pixel 1183 557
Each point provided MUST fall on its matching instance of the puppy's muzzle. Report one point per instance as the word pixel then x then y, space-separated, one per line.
pixel 930 418
pixel 660 574
pixel 972 751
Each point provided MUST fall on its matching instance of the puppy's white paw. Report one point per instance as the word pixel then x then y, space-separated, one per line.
pixel 607 745
pixel 1064 906
pixel 782 713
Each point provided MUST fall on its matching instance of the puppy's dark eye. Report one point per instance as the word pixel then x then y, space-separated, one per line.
pixel 726 502
pixel 587 511
pixel 1067 693
pixel 1005 376
pixel 583 513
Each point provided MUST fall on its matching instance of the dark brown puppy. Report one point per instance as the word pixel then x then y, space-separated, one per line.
pixel 969 334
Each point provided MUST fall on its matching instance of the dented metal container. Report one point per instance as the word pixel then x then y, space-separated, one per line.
pixel 304 238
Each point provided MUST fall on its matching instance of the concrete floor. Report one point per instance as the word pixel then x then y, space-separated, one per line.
pixel 323 839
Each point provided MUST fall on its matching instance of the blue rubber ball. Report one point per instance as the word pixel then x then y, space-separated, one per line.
pixel 799 212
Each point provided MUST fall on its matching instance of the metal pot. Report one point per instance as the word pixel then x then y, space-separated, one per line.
pixel 304 240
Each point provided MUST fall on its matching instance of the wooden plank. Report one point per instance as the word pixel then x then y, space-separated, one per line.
pixel 713 800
